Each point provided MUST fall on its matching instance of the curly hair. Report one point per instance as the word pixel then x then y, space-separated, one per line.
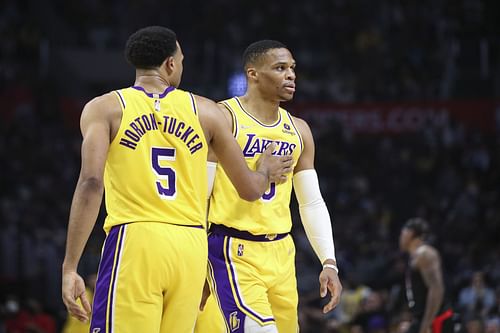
pixel 148 47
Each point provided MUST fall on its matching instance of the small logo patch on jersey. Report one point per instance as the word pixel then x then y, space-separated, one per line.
pixel 157 105
pixel 287 129
pixel 271 236
pixel 96 330
pixel 234 322
pixel 241 247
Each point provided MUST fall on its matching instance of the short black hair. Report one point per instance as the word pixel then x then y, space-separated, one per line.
pixel 256 50
pixel 147 48
pixel 419 226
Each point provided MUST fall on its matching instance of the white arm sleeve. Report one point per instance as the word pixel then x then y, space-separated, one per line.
pixel 314 214
pixel 211 168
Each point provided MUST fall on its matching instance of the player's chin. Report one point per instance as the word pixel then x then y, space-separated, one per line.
pixel 286 96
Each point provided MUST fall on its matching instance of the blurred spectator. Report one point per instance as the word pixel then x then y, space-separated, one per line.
pixel 492 325
pixel 477 299
pixel 354 295
pixel 494 313
pixel 372 317
pixel 31 319
pixel 474 325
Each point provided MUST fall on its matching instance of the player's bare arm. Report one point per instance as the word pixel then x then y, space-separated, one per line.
pixel 250 185
pixel 429 264
pixel 97 126
pixel 320 236
pixel 229 122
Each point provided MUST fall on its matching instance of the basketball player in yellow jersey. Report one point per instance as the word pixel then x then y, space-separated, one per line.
pixel 251 253
pixel 147 146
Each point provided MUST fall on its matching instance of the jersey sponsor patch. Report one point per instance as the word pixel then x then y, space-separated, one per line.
pixel 287 129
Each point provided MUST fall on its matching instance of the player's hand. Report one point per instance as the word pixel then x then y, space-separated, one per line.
pixel 329 282
pixel 279 179
pixel 204 295
pixel 73 288
pixel 277 167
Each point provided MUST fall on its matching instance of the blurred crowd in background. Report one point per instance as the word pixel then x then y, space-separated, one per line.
pixel 55 55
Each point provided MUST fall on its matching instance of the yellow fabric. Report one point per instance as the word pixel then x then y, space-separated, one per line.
pixel 160 275
pixel 265 277
pixel 156 165
pixel 210 320
pixel 271 213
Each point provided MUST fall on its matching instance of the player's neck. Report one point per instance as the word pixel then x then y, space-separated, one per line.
pixel 265 110
pixel 151 81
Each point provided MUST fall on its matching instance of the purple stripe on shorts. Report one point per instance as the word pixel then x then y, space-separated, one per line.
pixel 104 283
pixel 228 249
pixel 223 285
pixel 115 277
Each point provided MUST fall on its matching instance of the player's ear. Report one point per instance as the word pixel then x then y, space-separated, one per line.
pixel 169 64
pixel 251 73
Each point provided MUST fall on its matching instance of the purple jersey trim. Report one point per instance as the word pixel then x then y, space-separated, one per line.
pixel 121 98
pixel 190 226
pixel 297 131
pixel 233 116
pixel 235 233
pixel 163 94
pixel 193 103
pixel 255 119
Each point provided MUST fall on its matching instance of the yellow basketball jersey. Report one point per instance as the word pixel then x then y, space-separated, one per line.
pixel 156 165
pixel 271 213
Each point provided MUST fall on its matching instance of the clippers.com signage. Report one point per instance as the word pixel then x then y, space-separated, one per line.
pixel 405 117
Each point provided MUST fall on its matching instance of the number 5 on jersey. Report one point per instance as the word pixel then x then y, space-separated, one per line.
pixel 165 175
